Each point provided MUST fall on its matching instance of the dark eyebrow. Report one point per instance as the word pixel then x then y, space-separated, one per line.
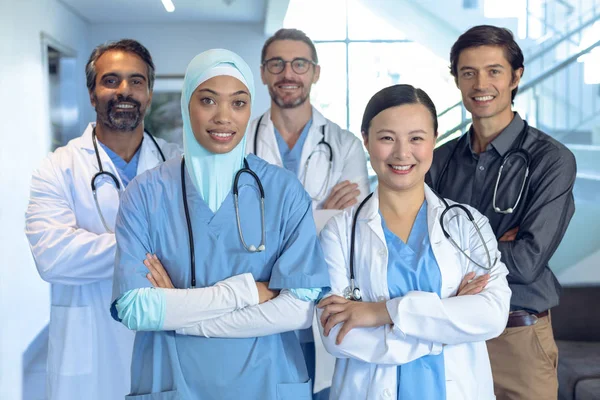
pixel 417 131
pixel 217 94
pixel 239 92
pixel 385 131
pixel 136 75
pixel 466 67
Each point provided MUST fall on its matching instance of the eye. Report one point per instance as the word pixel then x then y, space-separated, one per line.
pixel 468 74
pixel 110 81
pixel 386 138
pixel 239 103
pixel 417 138
pixel 207 101
pixel 300 63
pixel 495 71
pixel 137 82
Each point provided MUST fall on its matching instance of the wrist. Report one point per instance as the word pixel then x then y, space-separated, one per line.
pixel 383 316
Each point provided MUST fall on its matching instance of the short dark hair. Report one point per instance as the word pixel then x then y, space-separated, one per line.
pixel 125 45
pixel 393 96
pixel 290 34
pixel 488 35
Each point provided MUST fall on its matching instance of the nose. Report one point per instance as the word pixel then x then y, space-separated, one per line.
pixel 288 72
pixel 223 114
pixel 124 89
pixel 481 82
pixel 402 149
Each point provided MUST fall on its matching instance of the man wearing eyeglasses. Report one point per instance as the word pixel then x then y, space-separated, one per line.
pixel 329 161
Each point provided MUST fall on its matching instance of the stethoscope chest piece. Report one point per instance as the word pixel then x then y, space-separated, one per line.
pixel 351 293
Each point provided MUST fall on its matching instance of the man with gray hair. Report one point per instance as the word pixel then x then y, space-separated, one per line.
pixel 71 217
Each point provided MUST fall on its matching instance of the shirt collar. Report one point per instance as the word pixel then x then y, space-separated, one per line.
pixel 504 141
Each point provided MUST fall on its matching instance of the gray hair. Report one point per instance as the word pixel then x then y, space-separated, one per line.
pixel 125 45
pixel 290 34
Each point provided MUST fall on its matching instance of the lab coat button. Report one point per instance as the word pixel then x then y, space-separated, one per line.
pixel 387 394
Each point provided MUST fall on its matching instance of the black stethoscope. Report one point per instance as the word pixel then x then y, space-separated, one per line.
pixel 323 190
pixel 353 292
pixel 519 152
pixel 111 175
pixel 252 248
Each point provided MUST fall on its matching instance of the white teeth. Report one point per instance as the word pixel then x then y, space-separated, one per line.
pixel 401 167
pixel 289 87
pixel 484 98
pixel 125 106
pixel 221 134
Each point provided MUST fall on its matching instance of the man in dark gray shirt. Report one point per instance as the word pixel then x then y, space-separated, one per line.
pixel 529 207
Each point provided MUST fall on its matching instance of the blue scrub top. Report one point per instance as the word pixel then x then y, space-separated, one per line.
pixel 127 170
pixel 291 157
pixel 412 266
pixel 151 219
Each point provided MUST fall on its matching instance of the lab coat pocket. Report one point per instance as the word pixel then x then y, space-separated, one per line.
pixel 70 343
pixel 294 391
pixel 168 395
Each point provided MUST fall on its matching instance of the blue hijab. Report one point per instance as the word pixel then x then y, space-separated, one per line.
pixel 212 173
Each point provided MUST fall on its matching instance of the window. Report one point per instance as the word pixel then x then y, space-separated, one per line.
pixel 361 52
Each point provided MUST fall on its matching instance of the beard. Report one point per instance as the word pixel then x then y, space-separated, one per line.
pixel 285 103
pixel 120 120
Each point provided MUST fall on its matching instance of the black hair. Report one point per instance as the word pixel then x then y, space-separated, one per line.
pixel 125 45
pixel 393 96
pixel 488 35
pixel 289 34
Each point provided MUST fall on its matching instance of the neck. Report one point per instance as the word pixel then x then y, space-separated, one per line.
pixel 403 204
pixel 290 121
pixel 487 129
pixel 124 144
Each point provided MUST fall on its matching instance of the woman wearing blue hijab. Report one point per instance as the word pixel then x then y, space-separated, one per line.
pixel 220 327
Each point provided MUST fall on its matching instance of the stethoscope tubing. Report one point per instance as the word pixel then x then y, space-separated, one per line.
pixel 110 175
pixel 353 291
pixel 518 152
pixel 321 193
pixel 250 248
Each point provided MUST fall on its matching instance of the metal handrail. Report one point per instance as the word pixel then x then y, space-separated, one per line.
pixel 564 37
pixel 542 77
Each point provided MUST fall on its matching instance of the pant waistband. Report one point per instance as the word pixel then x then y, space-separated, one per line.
pixel 524 318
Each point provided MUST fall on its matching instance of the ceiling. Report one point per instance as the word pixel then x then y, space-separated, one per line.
pixel 140 11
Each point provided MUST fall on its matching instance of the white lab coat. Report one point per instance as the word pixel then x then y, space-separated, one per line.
pixel 367 357
pixel 349 160
pixel 89 354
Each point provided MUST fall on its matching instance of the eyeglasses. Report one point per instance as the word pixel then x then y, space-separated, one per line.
pixel 299 65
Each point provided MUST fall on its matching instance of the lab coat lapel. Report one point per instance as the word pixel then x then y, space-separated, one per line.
pixel 312 139
pixel 377 249
pixel 267 148
pixel 443 250
pixel 149 155
pixel 87 145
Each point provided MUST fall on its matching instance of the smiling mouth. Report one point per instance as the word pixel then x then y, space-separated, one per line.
pixel 125 106
pixel 483 99
pixel 288 87
pixel 221 136
pixel 401 169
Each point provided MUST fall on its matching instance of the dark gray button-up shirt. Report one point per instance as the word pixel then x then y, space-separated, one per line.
pixel 543 212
